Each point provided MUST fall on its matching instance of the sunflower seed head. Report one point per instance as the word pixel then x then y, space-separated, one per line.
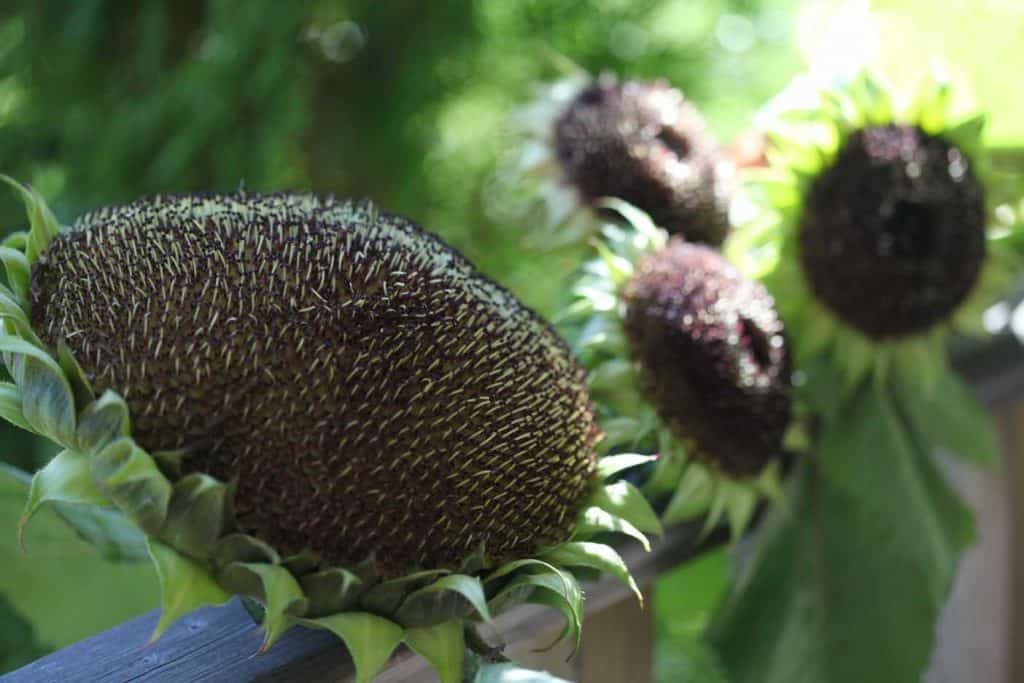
pixel 372 393
pixel 712 353
pixel 645 144
pixel 893 232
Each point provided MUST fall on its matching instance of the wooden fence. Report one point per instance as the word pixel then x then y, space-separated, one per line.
pixel 219 644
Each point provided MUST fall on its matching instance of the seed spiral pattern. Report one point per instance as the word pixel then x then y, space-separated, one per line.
pixel 373 395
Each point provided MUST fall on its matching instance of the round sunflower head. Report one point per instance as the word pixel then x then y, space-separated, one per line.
pixel 310 403
pixel 688 359
pixel 874 235
pixel 712 355
pixel 638 141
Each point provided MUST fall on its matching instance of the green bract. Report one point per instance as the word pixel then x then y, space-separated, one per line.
pixel 699 477
pixel 933 266
pixel 203 532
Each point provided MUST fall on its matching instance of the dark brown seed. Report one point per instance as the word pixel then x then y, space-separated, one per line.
pixel 645 144
pixel 893 233
pixel 373 394
pixel 712 354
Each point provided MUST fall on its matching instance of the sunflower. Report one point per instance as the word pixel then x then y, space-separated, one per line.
pixel 314 405
pixel 588 138
pixel 687 359
pixel 877 233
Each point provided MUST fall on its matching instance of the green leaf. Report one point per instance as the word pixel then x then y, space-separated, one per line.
pixel 107 530
pixel 852 573
pixel 278 591
pixel 83 392
pixel 131 478
pixel 445 598
pixel 693 496
pixel 596 556
pixel 625 501
pixel 442 646
pixel 185 586
pixel 10 406
pixel 67 479
pixel 370 639
pixel 43 225
pixel 950 417
pixel 197 515
pixel 331 591
pixel 594 520
pixel 102 421
pixel 47 400
pixel 610 465
pixel 17 268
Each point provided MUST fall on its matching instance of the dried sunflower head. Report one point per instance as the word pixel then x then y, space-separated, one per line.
pixel 874 232
pixel 310 403
pixel 638 141
pixel 687 358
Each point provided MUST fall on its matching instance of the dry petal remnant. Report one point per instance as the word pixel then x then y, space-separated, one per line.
pixel 713 356
pixel 645 144
pixel 373 395
pixel 893 232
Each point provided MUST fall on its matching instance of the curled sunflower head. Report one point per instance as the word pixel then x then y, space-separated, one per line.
pixel 687 358
pixel 639 141
pixel 875 236
pixel 315 405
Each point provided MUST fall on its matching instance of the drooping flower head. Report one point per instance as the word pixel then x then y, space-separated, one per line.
pixel 638 141
pixel 874 236
pixel 310 403
pixel 688 359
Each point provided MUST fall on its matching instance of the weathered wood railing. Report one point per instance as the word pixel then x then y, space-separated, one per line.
pixel 220 644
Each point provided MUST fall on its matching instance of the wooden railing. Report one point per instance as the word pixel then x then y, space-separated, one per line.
pixel 220 644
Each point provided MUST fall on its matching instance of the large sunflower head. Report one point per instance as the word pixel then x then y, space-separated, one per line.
pixel 313 404
pixel 688 359
pixel 639 141
pixel 874 236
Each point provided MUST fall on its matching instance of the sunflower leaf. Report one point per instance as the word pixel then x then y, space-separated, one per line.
pixel 443 646
pixel 131 478
pixel 370 639
pixel 43 225
pixel 48 403
pixel 185 586
pixel 952 418
pixel 280 594
pixel 609 466
pixel 806 609
pixel 197 515
pixel 17 268
pixel 10 406
pixel 595 520
pixel 102 421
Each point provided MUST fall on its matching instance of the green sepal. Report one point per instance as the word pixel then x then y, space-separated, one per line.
pixel 693 496
pixel 950 417
pixel 43 226
pixel 17 240
pixel 10 406
pixel 131 478
pixel 625 501
pixel 242 548
pixel 66 479
pixel 15 318
pixel 184 586
pixel 556 589
pixel 18 269
pixel 370 639
pixel 611 465
pixel 387 597
pixel 48 403
pixel 597 556
pixel 443 646
pixel 102 421
pixel 280 594
pixel 595 520
pixel 107 530
pixel 331 591
pixel 82 390
pixel 198 513
pixel 456 595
